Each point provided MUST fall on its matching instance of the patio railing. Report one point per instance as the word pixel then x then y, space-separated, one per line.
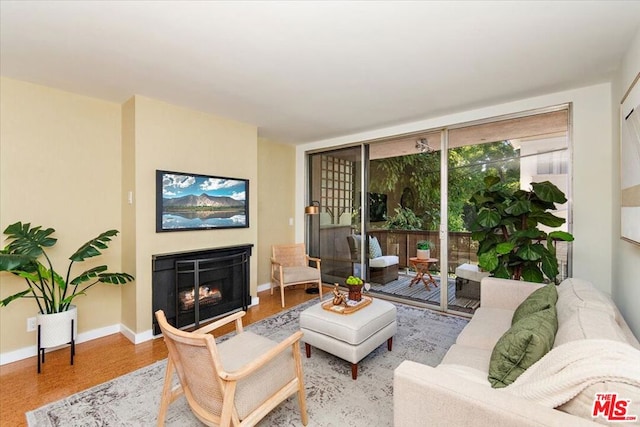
pixel 403 244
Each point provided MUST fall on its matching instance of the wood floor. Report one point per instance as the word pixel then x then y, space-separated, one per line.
pixel 23 389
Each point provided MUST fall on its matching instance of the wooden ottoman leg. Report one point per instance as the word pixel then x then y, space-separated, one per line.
pixel 307 349
pixel 389 343
pixel 354 371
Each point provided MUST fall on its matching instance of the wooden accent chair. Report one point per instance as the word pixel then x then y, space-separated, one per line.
pixel 236 382
pixel 290 266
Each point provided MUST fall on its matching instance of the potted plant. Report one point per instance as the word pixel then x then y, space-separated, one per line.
pixel 423 249
pixel 52 292
pixel 354 284
pixel 511 245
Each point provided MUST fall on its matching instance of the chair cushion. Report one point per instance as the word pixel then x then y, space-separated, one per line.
pixel 300 274
pixel 521 346
pixel 540 299
pixel 252 391
pixel 384 261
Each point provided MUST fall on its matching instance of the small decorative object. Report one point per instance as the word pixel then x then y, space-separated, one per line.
pixel 338 297
pixel 423 249
pixel 354 284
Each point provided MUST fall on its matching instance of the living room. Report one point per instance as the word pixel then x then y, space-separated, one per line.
pixel 82 164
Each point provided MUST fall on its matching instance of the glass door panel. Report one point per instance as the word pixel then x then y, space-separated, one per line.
pixel 335 186
pixel 404 182
pixel 522 150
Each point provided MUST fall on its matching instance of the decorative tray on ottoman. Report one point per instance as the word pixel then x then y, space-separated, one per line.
pixel 351 307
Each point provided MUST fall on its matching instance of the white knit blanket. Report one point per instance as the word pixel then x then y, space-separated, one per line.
pixel 568 369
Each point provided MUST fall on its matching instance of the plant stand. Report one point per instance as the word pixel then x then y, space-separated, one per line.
pixel 41 349
pixel 55 330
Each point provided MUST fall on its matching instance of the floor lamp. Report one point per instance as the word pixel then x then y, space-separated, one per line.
pixel 312 209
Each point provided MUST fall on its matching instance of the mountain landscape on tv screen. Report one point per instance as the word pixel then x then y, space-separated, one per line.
pixel 202 201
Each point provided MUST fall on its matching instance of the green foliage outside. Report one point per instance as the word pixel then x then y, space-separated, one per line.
pixel 468 165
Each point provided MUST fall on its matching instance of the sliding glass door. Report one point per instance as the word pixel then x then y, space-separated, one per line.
pixel 336 182
pixel 412 192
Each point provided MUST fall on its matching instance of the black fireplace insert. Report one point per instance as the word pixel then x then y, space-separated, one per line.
pixel 191 287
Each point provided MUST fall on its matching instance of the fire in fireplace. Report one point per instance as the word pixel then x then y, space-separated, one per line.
pixel 206 296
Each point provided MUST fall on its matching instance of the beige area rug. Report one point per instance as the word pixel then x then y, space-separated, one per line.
pixel 333 398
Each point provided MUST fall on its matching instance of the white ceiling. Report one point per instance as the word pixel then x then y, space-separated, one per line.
pixel 306 71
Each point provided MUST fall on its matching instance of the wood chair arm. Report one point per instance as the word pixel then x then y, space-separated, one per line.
pixel 258 363
pixel 218 323
pixel 316 260
pixel 274 262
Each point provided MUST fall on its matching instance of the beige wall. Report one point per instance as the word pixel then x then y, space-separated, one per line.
pixel 84 156
pixel 626 256
pixel 276 189
pixel 178 139
pixel 59 167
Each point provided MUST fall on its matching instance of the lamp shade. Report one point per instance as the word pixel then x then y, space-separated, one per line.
pixel 312 209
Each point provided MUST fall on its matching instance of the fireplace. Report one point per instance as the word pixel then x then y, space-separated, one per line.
pixel 191 287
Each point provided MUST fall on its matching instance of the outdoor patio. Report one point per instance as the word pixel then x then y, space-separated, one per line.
pixel 418 292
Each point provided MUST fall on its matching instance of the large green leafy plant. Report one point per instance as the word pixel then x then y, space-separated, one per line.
pixel 52 292
pixel 511 245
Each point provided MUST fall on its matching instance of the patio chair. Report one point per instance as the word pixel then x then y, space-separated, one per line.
pixel 290 266
pixel 236 382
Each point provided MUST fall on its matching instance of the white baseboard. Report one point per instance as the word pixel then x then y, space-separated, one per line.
pixel 264 287
pixel 135 338
pixel 26 352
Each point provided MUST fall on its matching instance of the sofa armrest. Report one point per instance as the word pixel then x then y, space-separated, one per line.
pixel 423 395
pixel 505 293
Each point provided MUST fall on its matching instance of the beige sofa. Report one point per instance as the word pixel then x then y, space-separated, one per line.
pixel 457 392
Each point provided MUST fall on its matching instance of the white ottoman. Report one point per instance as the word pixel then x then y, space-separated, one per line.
pixel 349 336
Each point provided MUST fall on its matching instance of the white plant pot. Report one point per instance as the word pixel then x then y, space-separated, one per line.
pixel 55 329
pixel 424 253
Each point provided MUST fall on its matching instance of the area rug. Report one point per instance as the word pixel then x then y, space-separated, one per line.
pixel 333 398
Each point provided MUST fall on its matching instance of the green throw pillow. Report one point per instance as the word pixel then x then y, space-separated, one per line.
pixel 540 299
pixel 521 346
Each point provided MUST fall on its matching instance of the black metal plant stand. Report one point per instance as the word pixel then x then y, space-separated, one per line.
pixel 41 349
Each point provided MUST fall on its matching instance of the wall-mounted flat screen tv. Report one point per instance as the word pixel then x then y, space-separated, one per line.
pixel 188 201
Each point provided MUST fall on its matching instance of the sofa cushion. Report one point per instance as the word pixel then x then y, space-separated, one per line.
pixel 540 299
pixel 485 328
pixel 574 293
pixel 587 323
pixel 521 346
pixel 472 357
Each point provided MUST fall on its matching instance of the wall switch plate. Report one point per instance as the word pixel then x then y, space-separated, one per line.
pixel 31 324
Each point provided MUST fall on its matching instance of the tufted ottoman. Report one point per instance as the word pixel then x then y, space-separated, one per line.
pixel 349 336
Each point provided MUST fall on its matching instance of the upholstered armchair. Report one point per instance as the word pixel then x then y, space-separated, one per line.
pixel 290 266
pixel 236 382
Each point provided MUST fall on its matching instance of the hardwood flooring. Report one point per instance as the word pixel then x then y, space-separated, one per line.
pixel 22 389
